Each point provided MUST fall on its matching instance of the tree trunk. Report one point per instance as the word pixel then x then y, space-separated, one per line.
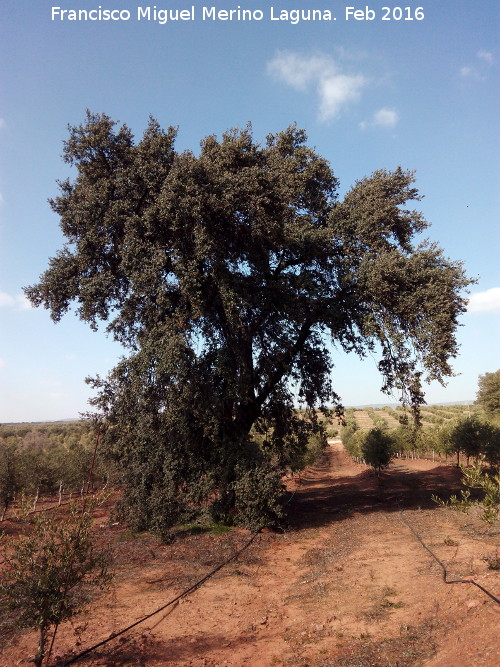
pixel 40 654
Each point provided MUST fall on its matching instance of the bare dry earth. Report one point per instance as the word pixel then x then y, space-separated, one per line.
pixel 348 584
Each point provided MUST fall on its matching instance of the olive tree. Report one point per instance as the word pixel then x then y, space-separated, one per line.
pixel 229 277
pixel 49 572
pixel 488 394
pixel 377 449
pixel 10 475
pixel 476 438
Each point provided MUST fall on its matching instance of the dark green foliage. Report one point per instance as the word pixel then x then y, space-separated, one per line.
pixel 258 497
pixel 226 276
pixel 377 449
pixel 491 444
pixel 473 437
pixel 49 572
pixel 352 436
pixel 10 476
pixel 403 438
pixel 488 395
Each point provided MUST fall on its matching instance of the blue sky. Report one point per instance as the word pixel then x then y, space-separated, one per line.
pixel 422 94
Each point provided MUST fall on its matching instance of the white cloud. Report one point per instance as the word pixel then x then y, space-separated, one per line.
pixel 298 71
pixel 23 302
pixel 3 363
pixel 471 73
pixel 485 55
pixel 20 301
pixel 337 90
pixel 2 123
pixel 478 72
pixel 6 299
pixel 385 117
pixel 334 88
pixel 485 301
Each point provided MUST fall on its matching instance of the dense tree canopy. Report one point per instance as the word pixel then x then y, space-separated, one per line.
pixel 230 276
pixel 488 394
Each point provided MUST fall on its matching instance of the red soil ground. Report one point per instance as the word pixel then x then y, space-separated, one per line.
pixel 348 584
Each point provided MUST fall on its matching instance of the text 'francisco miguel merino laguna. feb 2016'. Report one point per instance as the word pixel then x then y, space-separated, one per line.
pixel 163 16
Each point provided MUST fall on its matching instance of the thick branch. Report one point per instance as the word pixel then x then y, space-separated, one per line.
pixel 282 367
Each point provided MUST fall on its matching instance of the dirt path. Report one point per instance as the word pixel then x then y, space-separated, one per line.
pixel 348 584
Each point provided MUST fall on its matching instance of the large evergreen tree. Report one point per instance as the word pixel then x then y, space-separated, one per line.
pixel 230 277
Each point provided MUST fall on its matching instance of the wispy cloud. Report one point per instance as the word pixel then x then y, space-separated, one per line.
pixel 2 123
pixel 3 363
pixel 23 303
pixel 485 55
pixel 334 88
pixel 471 73
pixel 486 301
pixel 385 117
pixel 20 301
pixel 6 299
pixel 478 71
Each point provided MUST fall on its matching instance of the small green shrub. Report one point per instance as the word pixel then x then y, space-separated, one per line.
pixel 49 572
pixel 475 478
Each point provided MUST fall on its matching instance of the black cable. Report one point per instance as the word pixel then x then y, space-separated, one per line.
pixel 171 602
pixel 168 604
pixel 443 567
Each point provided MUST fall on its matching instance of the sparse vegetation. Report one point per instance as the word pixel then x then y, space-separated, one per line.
pixel 49 572
pixel 445 431
pixel 486 482
pixel 493 561
pixel 47 459
pixel 346 579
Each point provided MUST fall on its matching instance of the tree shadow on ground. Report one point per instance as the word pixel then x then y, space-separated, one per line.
pixel 147 649
pixel 321 498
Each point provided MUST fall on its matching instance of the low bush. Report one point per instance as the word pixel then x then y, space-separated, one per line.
pixel 49 572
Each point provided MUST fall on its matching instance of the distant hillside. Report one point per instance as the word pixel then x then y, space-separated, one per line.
pixel 369 416
pixel 53 421
pixel 395 405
